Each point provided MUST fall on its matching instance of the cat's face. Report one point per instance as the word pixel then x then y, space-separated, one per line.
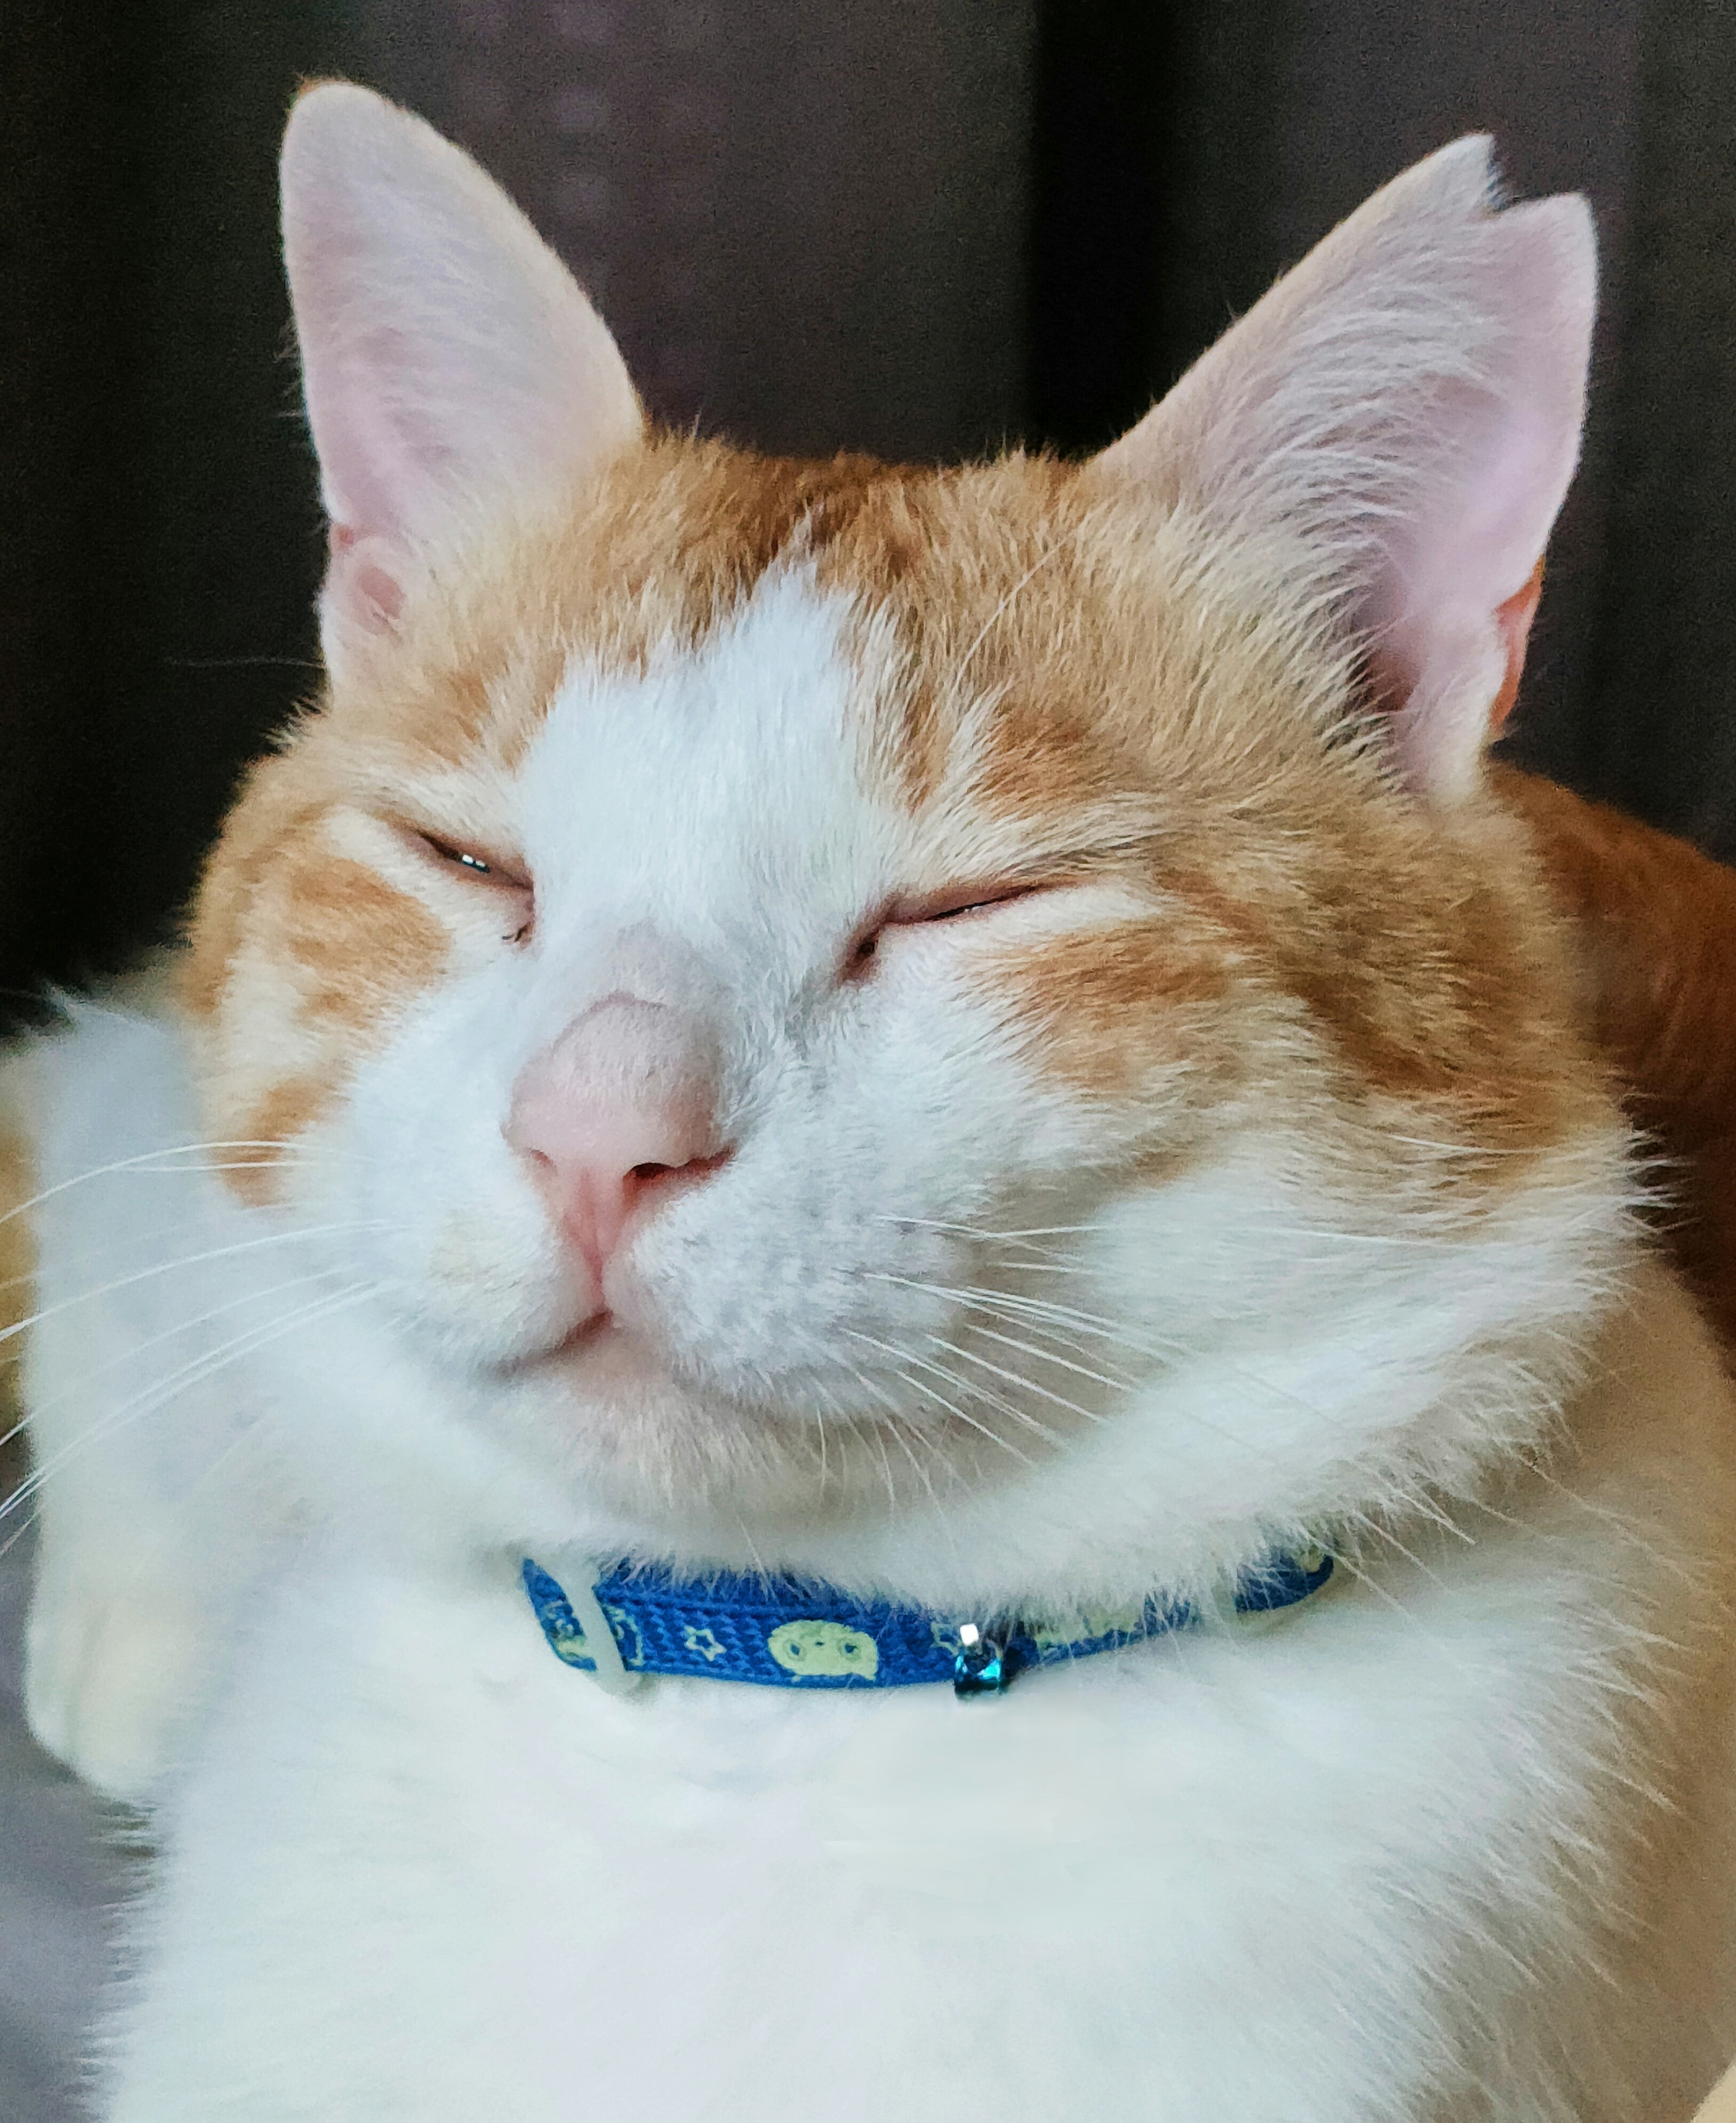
pixel 818 984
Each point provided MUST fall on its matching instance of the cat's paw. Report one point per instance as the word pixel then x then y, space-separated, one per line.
pixel 111 1665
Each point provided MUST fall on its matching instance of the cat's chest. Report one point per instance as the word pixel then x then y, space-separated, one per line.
pixel 726 1886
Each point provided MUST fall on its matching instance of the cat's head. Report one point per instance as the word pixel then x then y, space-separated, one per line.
pixel 833 997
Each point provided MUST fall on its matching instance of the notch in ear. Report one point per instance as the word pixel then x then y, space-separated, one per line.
pixel 448 358
pixel 1398 421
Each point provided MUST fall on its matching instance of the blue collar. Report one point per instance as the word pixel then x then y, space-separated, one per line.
pixel 634 1619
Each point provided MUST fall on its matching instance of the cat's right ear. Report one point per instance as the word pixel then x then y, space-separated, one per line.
pixel 449 360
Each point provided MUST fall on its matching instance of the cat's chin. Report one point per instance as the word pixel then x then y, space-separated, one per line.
pixel 670 1452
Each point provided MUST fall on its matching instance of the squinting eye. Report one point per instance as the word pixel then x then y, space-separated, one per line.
pixel 487 870
pixel 949 906
pixel 487 867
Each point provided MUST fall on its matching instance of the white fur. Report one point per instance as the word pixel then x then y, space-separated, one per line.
pixel 147 1415
pixel 706 836
pixel 1217 1878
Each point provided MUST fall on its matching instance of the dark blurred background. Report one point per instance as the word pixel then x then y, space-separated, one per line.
pixel 915 227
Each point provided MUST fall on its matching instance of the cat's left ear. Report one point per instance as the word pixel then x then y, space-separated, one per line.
pixel 1397 423
pixel 450 361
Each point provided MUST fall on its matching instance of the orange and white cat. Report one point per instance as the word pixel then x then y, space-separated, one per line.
pixel 983 1039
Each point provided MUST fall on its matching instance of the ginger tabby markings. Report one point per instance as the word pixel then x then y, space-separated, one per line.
pixel 1658 921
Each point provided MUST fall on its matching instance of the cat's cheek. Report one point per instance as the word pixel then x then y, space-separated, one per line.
pixel 444 1219
pixel 823 1267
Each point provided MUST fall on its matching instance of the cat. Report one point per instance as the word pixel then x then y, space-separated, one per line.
pixel 899 1075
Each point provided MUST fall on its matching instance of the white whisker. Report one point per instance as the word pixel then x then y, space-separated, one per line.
pixel 188 1260
pixel 1049 1356
pixel 130 1240
pixel 1014 1379
pixel 902 1357
pixel 145 1159
pixel 202 1367
pixel 168 1334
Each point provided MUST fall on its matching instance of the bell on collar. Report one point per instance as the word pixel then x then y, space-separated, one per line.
pixel 981 1666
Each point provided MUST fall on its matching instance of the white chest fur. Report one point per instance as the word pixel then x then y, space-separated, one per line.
pixel 422 1864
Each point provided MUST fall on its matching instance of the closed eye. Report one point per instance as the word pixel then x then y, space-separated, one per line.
pixel 952 905
pixel 949 906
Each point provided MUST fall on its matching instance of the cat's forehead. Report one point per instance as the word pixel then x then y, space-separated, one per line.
pixel 722 779
pixel 701 620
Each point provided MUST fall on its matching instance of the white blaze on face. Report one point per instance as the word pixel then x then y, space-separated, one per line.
pixel 715 805
pixel 919 1215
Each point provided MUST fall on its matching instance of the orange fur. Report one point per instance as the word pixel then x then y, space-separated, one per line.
pixel 1318 963
pixel 1658 924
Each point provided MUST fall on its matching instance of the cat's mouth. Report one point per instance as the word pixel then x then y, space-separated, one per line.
pixel 610 1364
pixel 588 1334
pixel 600 1355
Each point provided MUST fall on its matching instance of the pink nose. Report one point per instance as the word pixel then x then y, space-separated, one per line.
pixel 618 1115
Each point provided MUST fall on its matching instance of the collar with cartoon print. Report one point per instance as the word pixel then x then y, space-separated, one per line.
pixel 634 1619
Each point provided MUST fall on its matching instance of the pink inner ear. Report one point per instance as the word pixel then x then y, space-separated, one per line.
pixel 1400 416
pixel 1392 684
pixel 449 359
pixel 1448 613
pixel 1479 534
